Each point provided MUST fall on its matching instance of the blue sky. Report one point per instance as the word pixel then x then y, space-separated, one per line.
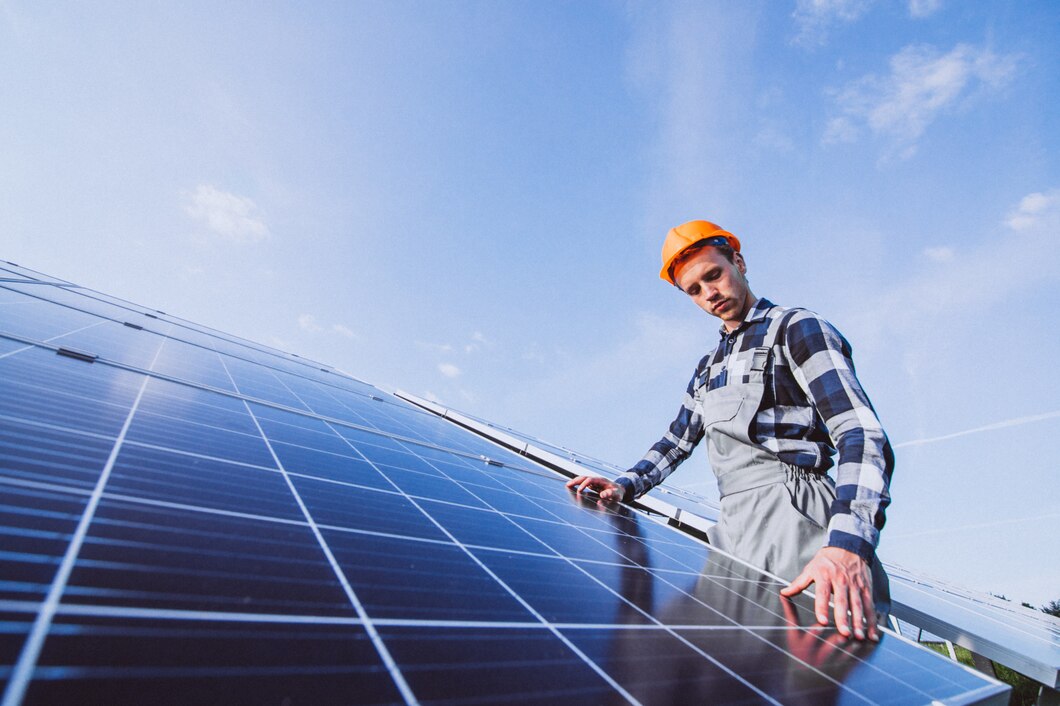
pixel 467 200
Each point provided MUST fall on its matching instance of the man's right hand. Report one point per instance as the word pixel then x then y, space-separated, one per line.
pixel 606 489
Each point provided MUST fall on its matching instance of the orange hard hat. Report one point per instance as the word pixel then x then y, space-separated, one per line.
pixel 685 236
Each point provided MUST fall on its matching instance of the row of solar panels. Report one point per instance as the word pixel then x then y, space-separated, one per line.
pixel 191 517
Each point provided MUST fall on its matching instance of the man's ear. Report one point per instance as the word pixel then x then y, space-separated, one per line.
pixel 741 264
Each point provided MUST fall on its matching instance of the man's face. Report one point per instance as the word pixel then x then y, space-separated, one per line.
pixel 716 285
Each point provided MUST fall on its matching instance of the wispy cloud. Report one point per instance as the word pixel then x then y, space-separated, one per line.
pixel 342 330
pixel 1013 259
pixel 279 343
pixel 1005 424
pixel 1036 210
pixel 308 322
pixel 924 8
pixel 436 347
pixel 478 340
pixel 449 370
pixel 922 83
pixel 475 342
pixel 939 253
pixel 963 529
pixel 232 217
pixel 1013 262
pixel 814 18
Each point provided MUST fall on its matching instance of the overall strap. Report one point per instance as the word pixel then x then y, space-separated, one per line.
pixel 761 355
pixel 778 327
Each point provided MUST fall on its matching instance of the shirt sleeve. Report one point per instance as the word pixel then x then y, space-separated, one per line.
pixel 668 452
pixel 820 359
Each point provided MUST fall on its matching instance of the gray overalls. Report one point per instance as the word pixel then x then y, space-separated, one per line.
pixel 773 515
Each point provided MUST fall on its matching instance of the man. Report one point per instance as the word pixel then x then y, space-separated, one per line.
pixel 775 400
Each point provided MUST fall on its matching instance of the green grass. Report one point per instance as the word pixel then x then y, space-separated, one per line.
pixel 1024 689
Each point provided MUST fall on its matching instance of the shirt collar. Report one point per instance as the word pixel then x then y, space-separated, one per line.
pixel 758 312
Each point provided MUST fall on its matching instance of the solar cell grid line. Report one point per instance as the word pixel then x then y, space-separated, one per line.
pixel 21 271
pixel 331 393
pixel 765 696
pixel 217 335
pixel 620 597
pixel 592 665
pixel 23 668
pixel 135 367
pixel 596 668
pixel 689 510
pixel 72 304
pixel 926 696
pixel 120 303
pixel 676 634
pixel 49 340
pixel 990 630
pixel 377 642
pixel 226 392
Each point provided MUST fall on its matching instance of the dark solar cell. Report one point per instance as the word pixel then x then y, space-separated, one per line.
pixel 402 578
pixel 45 454
pixel 35 530
pixel 145 556
pixel 127 660
pixel 428 485
pixel 195 481
pixel 497 666
pixel 343 506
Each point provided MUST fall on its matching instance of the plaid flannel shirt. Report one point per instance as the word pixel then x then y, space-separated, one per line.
pixel 813 406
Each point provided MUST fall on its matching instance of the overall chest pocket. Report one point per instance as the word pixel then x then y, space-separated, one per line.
pixel 720 406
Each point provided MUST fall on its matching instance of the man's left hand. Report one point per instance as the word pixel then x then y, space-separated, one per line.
pixel 843 577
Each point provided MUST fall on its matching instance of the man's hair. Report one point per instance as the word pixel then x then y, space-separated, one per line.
pixel 725 250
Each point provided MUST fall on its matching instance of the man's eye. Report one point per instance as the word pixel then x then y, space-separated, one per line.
pixel 693 290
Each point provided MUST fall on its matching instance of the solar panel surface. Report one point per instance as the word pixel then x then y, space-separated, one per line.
pixel 191 518
pixel 1018 637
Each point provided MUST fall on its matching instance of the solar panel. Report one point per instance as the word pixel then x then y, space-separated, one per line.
pixel 1021 638
pixel 1018 637
pixel 191 518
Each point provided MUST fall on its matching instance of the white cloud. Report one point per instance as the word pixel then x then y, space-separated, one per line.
pixel 449 370
pixel 345 331
pixel 308 322
pixel 772 137
pixel 279 343
pixel 1012 261
pixel 475 342
pixel 1034 210
pixel 813 18
pixel 939 253
pixel 924 8
pixel 437 347
pixel 478 340
pixel 840 130
pixel 232 217
pixel 922 83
